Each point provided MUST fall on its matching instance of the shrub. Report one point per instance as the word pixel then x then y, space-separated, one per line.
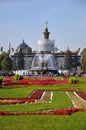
pixel 18 77
pixel 73 80
pixel 1 79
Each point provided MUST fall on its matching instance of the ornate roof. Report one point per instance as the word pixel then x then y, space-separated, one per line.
pixel 24 47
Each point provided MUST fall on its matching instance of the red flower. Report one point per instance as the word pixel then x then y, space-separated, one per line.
pixel 82 95
pixel 36 95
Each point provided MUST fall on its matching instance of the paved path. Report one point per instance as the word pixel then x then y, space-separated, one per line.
pixel 77 102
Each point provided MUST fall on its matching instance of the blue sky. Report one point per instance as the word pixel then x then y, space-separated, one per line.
pixel 25 19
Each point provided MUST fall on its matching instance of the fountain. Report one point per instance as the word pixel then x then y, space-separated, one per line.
pixel 45 61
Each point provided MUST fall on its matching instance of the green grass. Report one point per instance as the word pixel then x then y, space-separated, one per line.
pixel 35 122
pixel 16 92
pixel 75 121
pixel 60 100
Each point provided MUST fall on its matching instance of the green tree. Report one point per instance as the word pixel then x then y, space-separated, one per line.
pixel 20 65
pixel 83 60
pixel 68 60
pixel 56 49
pixel 2 55
pixel 7 63
pixel 76 62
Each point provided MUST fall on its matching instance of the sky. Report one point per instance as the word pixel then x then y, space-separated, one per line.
pixel 25 19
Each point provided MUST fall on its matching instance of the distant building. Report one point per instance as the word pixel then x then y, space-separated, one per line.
pixel 46 46
pixel 27 53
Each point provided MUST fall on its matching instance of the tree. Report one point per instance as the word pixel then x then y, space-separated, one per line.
pixel 20 65
pixel 7 63
pixel 56 49
pixel 2 55
pixel 83 60
pixel 76 62
pixel 68 61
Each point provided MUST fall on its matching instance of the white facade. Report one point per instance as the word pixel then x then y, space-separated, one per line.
pixel 46 45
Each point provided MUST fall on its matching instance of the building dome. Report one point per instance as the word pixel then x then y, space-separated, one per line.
pixel 25 48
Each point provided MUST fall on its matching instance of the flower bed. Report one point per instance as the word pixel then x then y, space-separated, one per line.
pixel 68 111
pixel 34 97
pixel 45 81
pixel 47 96
pixel 12 101
pixel 82 95
pixel 36 94
pixel 41 96
pixel 77 102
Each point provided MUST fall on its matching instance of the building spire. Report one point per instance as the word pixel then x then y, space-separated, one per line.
pixel 46 24
pixel 23 41
pixel 46 33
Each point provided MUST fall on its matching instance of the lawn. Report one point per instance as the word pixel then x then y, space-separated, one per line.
pixel 60 100
pixel 35 122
